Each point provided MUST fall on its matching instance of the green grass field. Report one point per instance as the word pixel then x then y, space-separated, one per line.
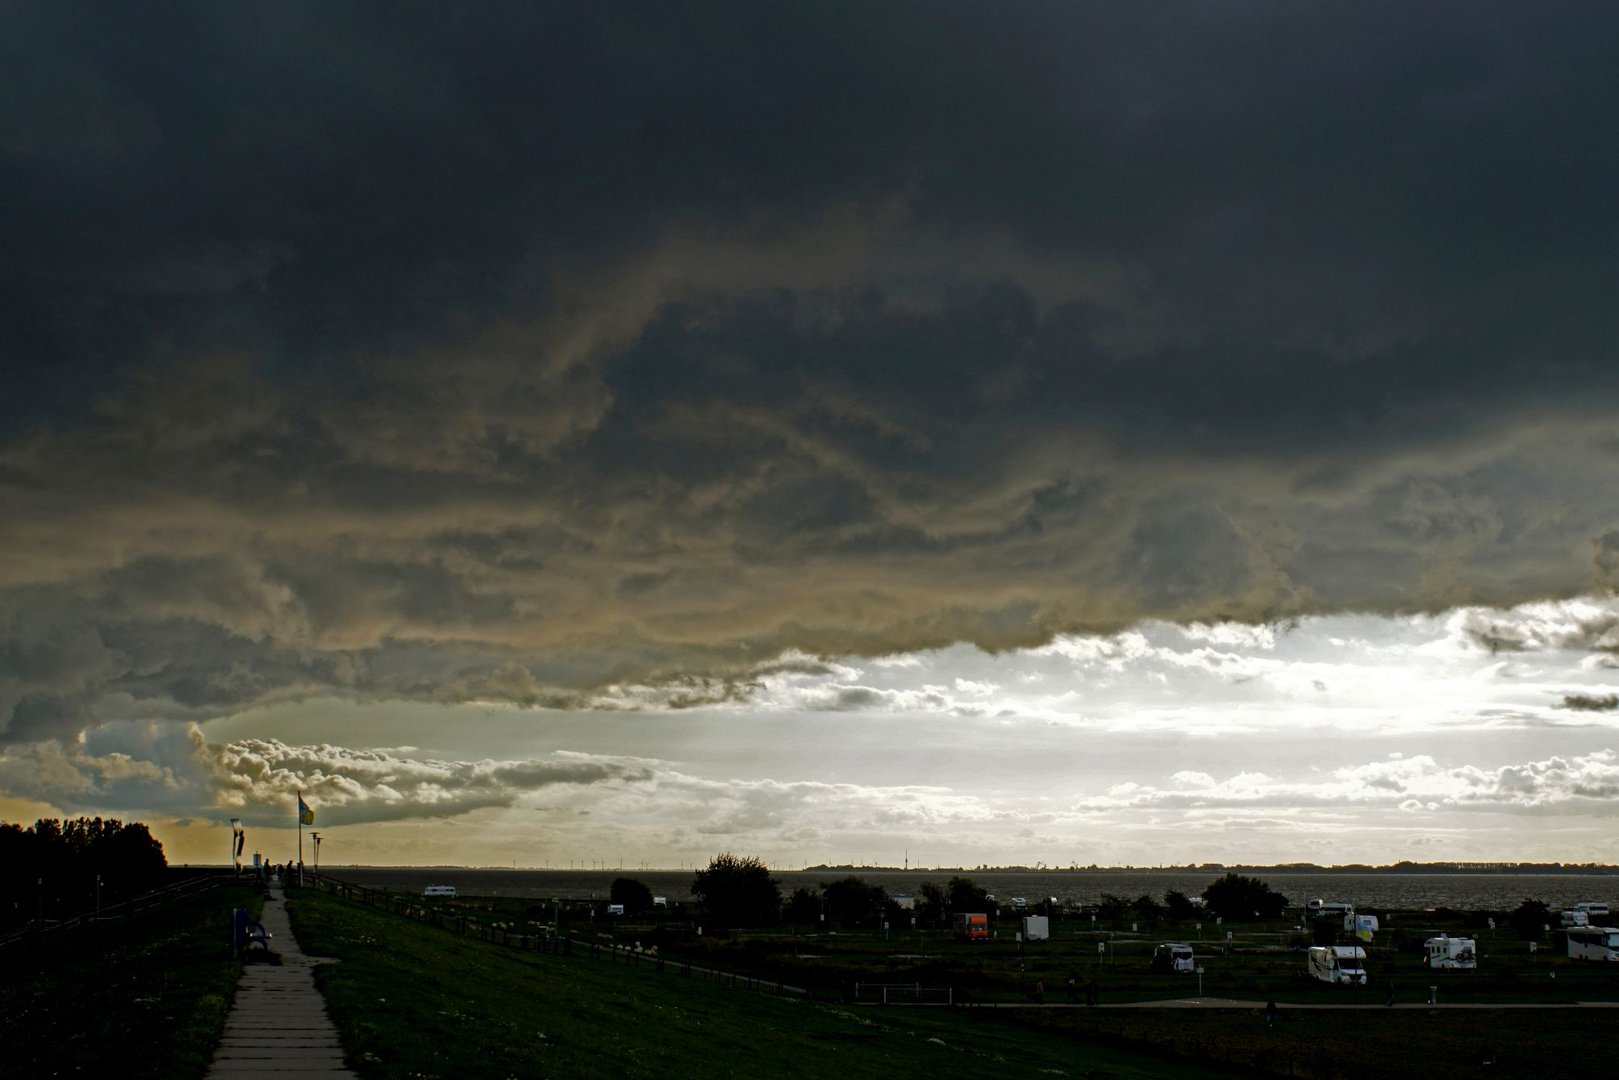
pixel 1260 963
pixel 416 1001
pixel 145 996
pixel 1259 966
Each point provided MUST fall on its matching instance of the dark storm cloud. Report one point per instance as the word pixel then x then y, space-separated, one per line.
pixel 515 352
pixel 1591 702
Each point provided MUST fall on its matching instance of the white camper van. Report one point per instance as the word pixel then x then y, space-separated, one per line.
pixel 1174 956
pixel 440 890
pixel 1338 964
pixel 1585 913
pixel 1456 953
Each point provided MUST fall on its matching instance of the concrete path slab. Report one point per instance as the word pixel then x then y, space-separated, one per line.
pixel 278 1027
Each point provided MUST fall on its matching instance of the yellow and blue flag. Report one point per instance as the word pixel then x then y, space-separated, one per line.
pixel 306 816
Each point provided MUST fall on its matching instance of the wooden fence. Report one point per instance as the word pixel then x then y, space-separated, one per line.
pixel 123 909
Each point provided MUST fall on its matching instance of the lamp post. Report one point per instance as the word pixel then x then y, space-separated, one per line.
pixel 315 836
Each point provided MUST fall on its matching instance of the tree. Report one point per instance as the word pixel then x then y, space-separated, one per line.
pixel 965 896
pixel 1112 909
pixel 633 894
pixel 1147 910
pixel 737 891
pixel 851 901
pixel 803 907
pixel 1528 919
pixel 1179 906
pixel 1236 898
pixel 932 904
pixel 54 866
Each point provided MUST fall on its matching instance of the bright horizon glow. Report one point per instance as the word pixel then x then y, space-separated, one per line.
pixel 1335 740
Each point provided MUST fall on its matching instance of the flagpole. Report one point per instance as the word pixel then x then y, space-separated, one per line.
pixel 299 810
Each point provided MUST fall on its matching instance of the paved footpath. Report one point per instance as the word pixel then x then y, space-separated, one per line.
pixel 278 1026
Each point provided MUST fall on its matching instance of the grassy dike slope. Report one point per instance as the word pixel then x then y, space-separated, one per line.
pixel 414 1001
pixel 143 996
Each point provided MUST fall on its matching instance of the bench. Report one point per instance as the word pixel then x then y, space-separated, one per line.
pixel 247 931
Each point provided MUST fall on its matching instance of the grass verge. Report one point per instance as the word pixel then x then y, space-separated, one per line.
pixel 144 996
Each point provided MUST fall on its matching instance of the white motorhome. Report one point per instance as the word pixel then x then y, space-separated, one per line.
pixel 1174 956
pixel 440 890
pixel 1338 964
pixel 1036 928
pixel 1317 908
pixel 1593 943
pixel 1362 926
pixel 1585 913
pixel 1444 952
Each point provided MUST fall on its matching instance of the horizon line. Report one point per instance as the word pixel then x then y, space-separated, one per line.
pixel 1476 866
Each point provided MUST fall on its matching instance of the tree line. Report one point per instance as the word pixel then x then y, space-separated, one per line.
pixel 739 892
pixel 735 891
pixel 58 869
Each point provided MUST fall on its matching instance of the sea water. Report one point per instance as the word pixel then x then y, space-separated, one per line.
pixel 1397 891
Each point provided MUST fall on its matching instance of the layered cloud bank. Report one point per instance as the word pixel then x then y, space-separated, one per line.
pixel 1345 738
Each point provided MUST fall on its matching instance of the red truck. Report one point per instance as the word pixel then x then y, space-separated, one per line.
pixel 972 927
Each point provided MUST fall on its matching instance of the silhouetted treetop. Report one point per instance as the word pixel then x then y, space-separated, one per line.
pixel 737 891
pixel 1237 898
pixel 51 867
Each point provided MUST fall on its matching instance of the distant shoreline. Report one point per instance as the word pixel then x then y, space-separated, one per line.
pixel 1438 887
pixel 1581 869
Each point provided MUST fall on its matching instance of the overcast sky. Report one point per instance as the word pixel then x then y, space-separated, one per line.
pixel 1119 433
